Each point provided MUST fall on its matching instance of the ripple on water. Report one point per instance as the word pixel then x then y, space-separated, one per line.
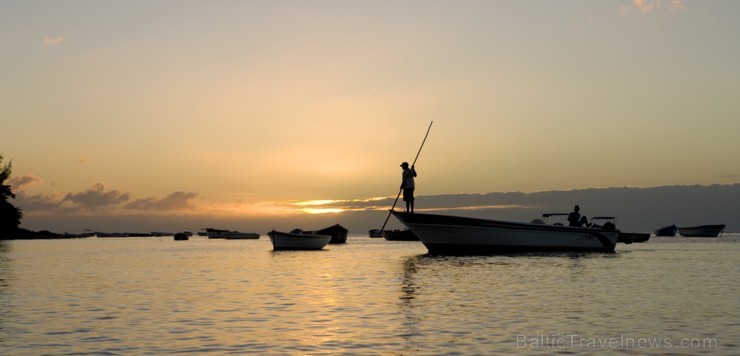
pixel 144 296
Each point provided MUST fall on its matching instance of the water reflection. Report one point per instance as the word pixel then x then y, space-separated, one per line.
pixel 148 296
pixel 411 321
pixel 486 300
pixel 4 287
pixel 4 267
pixel 306 295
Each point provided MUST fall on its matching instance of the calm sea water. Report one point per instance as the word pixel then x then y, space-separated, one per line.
pixel 369 296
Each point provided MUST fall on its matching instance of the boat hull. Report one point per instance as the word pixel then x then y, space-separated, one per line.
pixel 375 233
pixel 215 233
pixel 630 237
pixel 701 231
pixel 452 235
pixel 399 235
pixel 300 241
pixel 180 236
pixel 337 232
pixel 667 231
pixel 241 236
pixel 232 235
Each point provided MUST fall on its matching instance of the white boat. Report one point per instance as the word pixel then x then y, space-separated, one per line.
pixel 297 240
pixel 701 230
pixel 453 235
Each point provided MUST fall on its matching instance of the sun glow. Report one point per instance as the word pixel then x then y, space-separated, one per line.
pixel 316 202
pixel 310 203
pixel 322 210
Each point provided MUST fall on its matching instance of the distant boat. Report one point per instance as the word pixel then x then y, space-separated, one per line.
pixel 181 236
pixel 375 233
pixel 235 235
pixel 337 232
pixel 670 230
pixel 110 234
pixel 228 234
pixel 399 235
pixel 610 223
pixel 455 235
pixel 215 233
pixel 630 237
pixel 297 240
pixel 702 230
pixel 82 235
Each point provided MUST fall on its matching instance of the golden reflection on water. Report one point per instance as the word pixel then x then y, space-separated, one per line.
pixel 369 296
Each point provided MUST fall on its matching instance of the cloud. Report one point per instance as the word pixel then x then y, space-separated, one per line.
pixel 648 6
pixel 20 184
pixel 41 203
pixel 94 198
pixel 174 201
pixel 637 209
pixel 49 41
pixel 48 202
pixel 97 197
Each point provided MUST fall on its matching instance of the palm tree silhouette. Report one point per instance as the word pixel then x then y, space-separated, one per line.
pixel 10 216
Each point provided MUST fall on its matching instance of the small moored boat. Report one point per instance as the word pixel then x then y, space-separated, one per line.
pixel 670 230
pixel 399 235
pixel 610 223
pixel 235 235
pixel 297 240
pixel 228 234
pixel 375 233
pixel 215 233
pixel 337 232
pixel 630 237
pixel 181 236
pixel 110 234
pixel 702 230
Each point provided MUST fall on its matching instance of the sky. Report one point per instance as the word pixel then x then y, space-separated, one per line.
pixel 267 109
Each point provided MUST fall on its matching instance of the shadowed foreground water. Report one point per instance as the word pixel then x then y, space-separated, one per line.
pixel 369 296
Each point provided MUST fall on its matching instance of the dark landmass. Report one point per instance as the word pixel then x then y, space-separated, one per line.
pixel 24 234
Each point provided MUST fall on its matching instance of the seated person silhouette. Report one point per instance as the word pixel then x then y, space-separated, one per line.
pixel 575 218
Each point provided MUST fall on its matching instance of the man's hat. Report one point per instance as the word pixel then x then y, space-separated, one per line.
pixel 404 164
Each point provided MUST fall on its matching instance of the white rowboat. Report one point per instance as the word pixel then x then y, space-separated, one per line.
pixel 297 240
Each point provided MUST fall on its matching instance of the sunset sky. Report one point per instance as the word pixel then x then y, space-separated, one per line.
pixel 248 107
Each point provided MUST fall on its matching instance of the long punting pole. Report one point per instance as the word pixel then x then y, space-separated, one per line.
pixel 404 178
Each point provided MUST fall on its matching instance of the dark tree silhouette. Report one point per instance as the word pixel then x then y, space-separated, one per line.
pixel 10 216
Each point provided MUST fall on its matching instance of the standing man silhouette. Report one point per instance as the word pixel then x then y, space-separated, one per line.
pixel 407 184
